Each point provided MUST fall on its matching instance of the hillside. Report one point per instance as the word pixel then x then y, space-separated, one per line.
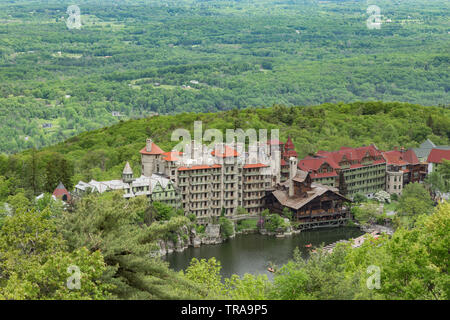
pixel 102 153
pixel 143 57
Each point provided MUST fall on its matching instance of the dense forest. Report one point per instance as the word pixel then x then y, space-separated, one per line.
pixel 140 58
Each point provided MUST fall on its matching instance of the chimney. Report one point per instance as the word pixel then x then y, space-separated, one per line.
pixel 148 146
pixel 291 188
pixel 293 162
pixel 292 173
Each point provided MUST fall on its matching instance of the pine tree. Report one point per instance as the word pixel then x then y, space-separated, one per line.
pixel 116 227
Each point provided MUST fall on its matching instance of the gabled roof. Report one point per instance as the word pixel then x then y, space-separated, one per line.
pixel 314 164
pixel 154 151
pixel 428 144
pixel 163 181
pixel 301 176
pixel 411 157
pixel 425 148
pixel 401 158
pixel 298 202
pixel 395 157
pixel 335 157
pixel 437 155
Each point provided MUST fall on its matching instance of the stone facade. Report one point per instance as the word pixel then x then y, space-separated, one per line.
pixel 394 182
pixel 222 181
pixel 402 167
pixel 156 187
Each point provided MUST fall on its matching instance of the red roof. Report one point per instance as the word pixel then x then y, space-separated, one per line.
pixel 315 163
pixel 289 149
pixel 172 155
pixel 228 152
pixel 60 191
pixel 400 158
pixel 256 165
pixel 334 158
pixel 437 155
pixel 350 154
pixel 199 167
pixel 289 144
pixel 155 150
pixel 411 157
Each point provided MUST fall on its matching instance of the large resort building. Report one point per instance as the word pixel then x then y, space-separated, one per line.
pixel 205 182
pixel 213 182
pixel 363 169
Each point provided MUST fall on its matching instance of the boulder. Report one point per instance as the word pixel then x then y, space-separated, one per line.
pixel 170 246
pixel 196 242
pixel 162 246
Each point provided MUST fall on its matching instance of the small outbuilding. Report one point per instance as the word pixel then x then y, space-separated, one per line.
pixel 61 193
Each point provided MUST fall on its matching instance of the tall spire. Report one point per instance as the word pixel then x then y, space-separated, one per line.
pixel 127 169
pixel 127 174
pixel 289 149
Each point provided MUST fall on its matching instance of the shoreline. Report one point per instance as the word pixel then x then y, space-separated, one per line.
pixel 167 247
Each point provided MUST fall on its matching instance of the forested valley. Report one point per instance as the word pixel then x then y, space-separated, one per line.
pixel 79 103
pixel 133 59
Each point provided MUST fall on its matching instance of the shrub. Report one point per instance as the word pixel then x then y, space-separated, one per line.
pixel 200 229
pixel 274 222
pixel 359 197
pixel 192 217
pixel 226 227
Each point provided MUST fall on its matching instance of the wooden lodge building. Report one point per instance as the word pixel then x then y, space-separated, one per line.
pixel 313 205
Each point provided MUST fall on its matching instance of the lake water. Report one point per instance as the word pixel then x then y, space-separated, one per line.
pixel 254 253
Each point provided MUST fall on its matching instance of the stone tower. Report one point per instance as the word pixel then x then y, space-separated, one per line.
pixel 149 158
